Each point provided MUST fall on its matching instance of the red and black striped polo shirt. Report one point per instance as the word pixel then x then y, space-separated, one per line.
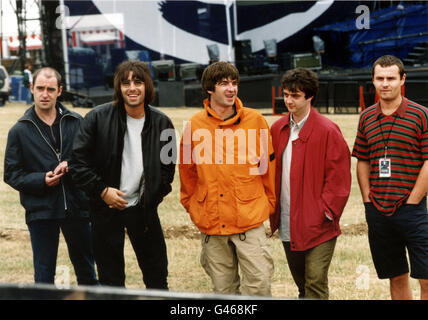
pixel 405 134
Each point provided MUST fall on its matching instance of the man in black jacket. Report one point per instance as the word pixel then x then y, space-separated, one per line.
pixel 124 159
pixel 38 148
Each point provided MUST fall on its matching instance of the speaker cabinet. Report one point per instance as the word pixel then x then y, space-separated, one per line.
pixel 243 56
pixel 301 60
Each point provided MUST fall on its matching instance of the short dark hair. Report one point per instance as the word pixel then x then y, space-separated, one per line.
pixel 56 73
pixel 387 61
pixel 302 79
pixel 216 72
pixel 139 71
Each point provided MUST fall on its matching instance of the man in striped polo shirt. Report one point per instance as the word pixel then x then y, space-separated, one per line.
pixel 392 151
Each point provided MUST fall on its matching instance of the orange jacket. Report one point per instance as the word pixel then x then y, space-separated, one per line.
pixel 227 186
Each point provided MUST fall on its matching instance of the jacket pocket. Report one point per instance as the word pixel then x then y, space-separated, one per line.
pixel 198 212
pixel 201 194
pixel 251 203
pixel 36 203
pixel 324 215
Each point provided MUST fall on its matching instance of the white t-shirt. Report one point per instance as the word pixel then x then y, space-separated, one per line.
pixel 132 161
pixel 284 197
pixel 30 75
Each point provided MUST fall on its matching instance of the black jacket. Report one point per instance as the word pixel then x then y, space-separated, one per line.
pixel 97 156
pixel 30 154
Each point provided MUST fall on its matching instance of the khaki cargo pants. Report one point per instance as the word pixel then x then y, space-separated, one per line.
pixel 221 256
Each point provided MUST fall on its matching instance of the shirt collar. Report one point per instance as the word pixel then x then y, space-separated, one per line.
pixel 59 114
pixel 401 111
pixel 301 123
pixel 233 119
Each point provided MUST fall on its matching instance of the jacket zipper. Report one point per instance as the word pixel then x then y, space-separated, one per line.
pixel 59 161
pixel 58 155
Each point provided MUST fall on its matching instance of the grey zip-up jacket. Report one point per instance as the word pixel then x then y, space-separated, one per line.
pixel 29 155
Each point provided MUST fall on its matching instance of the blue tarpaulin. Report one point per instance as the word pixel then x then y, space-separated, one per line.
pixel 85 71
pixel 395 30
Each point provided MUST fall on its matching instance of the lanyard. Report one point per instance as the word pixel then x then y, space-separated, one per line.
pixel 385 141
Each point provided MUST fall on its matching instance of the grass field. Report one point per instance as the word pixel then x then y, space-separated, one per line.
pixel 351 275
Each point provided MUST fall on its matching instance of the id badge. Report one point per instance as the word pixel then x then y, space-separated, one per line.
pixel 384 168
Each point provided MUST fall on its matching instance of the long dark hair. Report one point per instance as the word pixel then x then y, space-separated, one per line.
pixel 139 71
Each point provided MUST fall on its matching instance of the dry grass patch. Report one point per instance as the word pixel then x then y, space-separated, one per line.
pixel 183 239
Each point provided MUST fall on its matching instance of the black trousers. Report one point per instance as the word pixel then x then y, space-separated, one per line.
pixel 147 240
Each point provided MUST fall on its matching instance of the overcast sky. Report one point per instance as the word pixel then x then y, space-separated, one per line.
pixel 8 24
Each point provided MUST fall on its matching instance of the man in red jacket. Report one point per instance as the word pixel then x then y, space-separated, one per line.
pixel 312 181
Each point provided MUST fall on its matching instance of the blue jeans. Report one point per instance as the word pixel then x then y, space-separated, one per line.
pixel 44 236
pixel 28 95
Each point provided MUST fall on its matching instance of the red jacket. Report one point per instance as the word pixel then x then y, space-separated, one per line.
pixel 320 179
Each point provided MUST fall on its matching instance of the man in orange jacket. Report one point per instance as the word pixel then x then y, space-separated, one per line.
pixel 227 173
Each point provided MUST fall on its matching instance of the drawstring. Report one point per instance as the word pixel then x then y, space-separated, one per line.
pixel 242 237
pixel 207 238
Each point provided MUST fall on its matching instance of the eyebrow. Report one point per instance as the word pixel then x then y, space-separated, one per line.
pixel 227 80
pixel 133 79
pixel 388 77
pixel 49 88
pixel 292 92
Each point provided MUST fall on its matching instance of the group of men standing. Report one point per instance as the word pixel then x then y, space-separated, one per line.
pixel 93 178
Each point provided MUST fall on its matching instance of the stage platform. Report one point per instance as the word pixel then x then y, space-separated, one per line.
pixel 255 91
pixel 343 91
